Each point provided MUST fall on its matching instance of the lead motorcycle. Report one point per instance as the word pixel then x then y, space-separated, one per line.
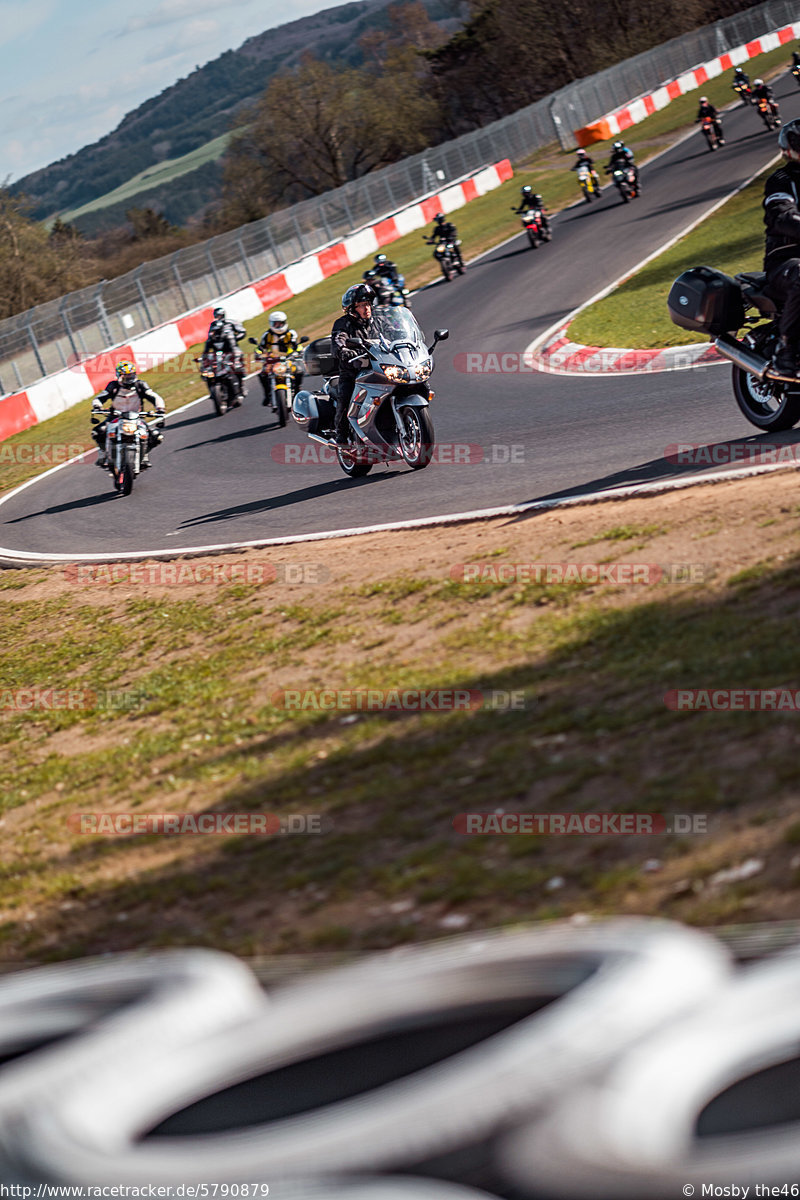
pixel 708 301
pixel 389 417
pixel 128 438
pixel 280 372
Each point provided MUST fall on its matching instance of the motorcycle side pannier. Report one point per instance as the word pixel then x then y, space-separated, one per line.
pixel 707 301
pixel 318 358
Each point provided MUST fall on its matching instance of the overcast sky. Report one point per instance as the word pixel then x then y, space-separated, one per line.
pixel 69 72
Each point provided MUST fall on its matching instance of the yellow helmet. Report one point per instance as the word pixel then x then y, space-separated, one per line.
pixel 126 371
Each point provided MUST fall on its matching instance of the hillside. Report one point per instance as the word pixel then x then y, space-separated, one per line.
pixel 200 107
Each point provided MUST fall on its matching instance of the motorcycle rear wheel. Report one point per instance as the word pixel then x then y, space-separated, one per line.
pixel 352 468
pixel 767 405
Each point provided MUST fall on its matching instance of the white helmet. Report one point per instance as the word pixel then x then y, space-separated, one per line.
pixel 278 322
pixel 759 83
pixel 704 99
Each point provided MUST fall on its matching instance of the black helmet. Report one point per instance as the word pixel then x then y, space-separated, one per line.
pixel 537 199
pixel 219 314
pixel 357 294
pixel 789 140
pixel 526 189
pixel 380 259
pixel 738 71
pixel 619 145
pixel 439 217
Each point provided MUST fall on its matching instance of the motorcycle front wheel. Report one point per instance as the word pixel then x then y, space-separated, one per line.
pixel 281 405
pixel 215 392
pixel 532 238
pixel 416 436
pixel 768 405
pixel 128 472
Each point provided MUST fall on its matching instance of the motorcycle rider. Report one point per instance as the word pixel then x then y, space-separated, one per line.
pixel 531 199
pixel 795 59
pixel 277 339
pixel 707 109
pixel 387 269
pixel 762 91
pixel 782 249
pixel 741 81
pixel 381 286
pixel 125 393
pixel 225 335
pixel 582 159
pixel 445 231
pixel 355 322
pixel 622 157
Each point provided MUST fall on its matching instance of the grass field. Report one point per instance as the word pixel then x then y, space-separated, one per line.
pixel 151 177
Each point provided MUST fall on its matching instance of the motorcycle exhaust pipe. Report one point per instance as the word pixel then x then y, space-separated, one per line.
pixel 745 358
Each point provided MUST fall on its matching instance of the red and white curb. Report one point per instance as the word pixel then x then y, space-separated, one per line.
pixel 561 356
pixel 169 342
pixel 615 122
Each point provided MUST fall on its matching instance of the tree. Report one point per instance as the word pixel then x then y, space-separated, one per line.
pixel 33 268
pixel 317 127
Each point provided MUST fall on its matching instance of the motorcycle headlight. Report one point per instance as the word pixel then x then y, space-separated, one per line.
pixel 396 374
pixel 423 369
pixel 130 426
pixel 280 369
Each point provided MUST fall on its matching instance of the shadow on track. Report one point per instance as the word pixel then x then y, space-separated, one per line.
pixel 72 506
pixel 733 453
pixel 286 500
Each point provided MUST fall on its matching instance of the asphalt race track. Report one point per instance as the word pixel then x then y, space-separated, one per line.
pixel 224 480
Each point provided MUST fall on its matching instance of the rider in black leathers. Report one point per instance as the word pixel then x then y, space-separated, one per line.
pixel 355 322
pixel 762 91
pixel 531 199
pixel 228 334
pixel 445 231
pixel 782 249
pixel 622 156
pixel 707 109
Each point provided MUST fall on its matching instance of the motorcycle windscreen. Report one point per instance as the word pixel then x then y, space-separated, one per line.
pixel 393 329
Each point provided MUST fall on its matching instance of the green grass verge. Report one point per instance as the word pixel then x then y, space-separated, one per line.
pixel 594 735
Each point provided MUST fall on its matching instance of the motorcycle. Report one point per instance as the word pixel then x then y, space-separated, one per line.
pixel 744 92
pixel 448 257
pixel 589 183
pixel 624 178
pixel 218 368
pixel 710 132
pixel 128 437
pixel 768 111
pixel 281 370
pixel 796 72
pixel 534 226
pixel 708 301
pixel 389 291
pixel 388 418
